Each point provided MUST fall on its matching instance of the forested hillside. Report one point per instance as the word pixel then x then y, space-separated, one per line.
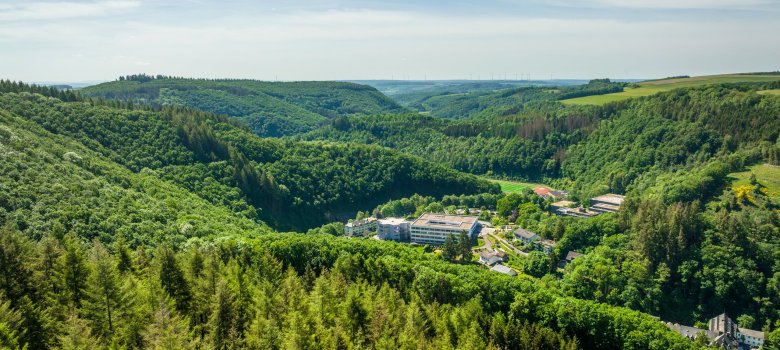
pixel 134 228
pixel 268 108
pixel 290 185
pixel 478 103
pixel 591 149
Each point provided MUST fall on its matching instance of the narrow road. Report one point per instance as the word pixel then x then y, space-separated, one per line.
pixel 508 245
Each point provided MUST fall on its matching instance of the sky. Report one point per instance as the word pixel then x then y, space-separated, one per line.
pixel 98 40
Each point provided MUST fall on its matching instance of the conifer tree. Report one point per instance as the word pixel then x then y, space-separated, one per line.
pixel 173 281
pixel 105 300
pixel 75 269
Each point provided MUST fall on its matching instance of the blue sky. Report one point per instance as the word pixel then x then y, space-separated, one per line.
pixel 329 40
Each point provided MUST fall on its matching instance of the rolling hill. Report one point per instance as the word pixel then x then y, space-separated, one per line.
pixel 288 184
pixel 652 87
pixel 268 108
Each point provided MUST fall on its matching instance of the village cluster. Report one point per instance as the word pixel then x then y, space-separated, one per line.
pixel 433 228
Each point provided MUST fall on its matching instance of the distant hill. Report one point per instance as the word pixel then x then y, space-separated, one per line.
pixel 268 108
pixel 652 87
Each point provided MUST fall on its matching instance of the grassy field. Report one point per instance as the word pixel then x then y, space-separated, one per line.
pixel 770 92
pixel 767 175
pixel 514 186
pixel 648 88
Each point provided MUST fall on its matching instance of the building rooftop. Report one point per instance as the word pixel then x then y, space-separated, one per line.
pixel 690 332
pixel 504 269
pixel 559 194
pixel 610 198
pixel 573 255
pixel 446 221
pixel 752 333
pixel 548 242
pixel 542 191
pixel 563 204
pixel 361 222
pixel 391 221
pixel 603 206
pixel 521 232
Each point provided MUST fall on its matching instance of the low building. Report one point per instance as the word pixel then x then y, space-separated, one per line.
pixel 578 212
pixel 434 228
pixel 395 229
pixel 360 227
pixel 723 333
pixel 504 269
pixel 608 203
pixel 557 194
pixel 492 258
pixel 526 236
pixel 560 207
pixel 570 256
pixel 546 245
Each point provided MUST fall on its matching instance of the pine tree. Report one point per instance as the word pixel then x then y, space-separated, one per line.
pixel 77 335
pixel 123 255
pixel 10 324
pixel 222 325
pixel 173 281
pixel 167 331
pixel 464 247
pixel 450 249
pixel 105 300
pixel 76 272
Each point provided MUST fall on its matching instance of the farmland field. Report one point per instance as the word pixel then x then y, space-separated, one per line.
pixel 652 87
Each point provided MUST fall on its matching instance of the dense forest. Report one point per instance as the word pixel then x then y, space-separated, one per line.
pixel 268 108
pixel 290 185
pixel 147 223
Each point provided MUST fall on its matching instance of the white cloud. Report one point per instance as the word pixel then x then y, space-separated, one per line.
pixel 672 4
pixel 50 10
pixel 352 44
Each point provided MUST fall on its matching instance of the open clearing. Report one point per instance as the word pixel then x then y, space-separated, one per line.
pixel 652 87
pixel 770 92
pixel 767 175
pixel 514 186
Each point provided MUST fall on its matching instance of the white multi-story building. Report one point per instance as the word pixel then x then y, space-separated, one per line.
pixel 396 229
pixel 360 227
pixel 434 228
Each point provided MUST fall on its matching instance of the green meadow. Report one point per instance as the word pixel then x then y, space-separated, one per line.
pixel 766 175
pixel 514 186
pixel 652 87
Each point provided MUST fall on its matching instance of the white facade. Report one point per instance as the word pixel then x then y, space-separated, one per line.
pixel 434 228
pixel 396 229
pixel 360 227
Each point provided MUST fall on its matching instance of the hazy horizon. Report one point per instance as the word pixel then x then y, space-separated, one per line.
pixel 91 41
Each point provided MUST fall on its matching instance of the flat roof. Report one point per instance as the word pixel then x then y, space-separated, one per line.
pixel 563 204
pixel 611 198
pixel 504 269
pixel 391 221
pixel 446 221
pixel 360 222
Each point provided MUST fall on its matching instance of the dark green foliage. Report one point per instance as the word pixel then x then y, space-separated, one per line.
pixel 291 185
pixel 268 108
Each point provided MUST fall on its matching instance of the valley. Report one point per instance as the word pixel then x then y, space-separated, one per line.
pixel 227 197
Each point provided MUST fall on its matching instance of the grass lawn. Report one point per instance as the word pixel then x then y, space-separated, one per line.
pixel 767 175
pixel 514 186
pixel 648 88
